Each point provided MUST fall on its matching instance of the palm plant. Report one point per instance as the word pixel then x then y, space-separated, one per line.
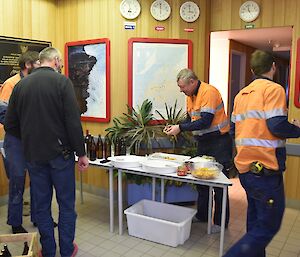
pixel 135 127
pixel 173 117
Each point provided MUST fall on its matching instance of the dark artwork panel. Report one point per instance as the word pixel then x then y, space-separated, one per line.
pixel 80 66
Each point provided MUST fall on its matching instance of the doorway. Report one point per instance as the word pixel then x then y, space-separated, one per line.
pixel 236 75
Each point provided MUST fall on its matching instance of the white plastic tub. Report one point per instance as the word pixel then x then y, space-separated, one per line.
pixel 160 222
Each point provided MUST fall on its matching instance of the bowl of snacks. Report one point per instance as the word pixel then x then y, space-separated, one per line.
pixel 210 172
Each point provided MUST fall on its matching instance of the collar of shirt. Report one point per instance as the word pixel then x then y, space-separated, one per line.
pixel 197 88
pixel 263 77
pixel 43 68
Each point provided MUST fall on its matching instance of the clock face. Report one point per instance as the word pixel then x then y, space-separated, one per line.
pixel 130 9
pixel 189 11
pixel 249 11
pixel 160 10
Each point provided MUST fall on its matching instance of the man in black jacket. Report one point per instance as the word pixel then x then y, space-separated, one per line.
pixel 44 112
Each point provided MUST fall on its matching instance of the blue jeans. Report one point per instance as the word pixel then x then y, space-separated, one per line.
pixel 15 167
pixel 266 203
pixel 60 174
pixel 219 147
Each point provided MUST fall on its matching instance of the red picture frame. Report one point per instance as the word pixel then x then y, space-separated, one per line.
pixel 297 77
pixel 87 64
pixel 152 41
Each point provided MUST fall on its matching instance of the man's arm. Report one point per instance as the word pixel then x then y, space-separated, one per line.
pixel 276 114
pixel 203 123
pixel 72 119
pixel 280 127
pixel 3 108
pixel 11 120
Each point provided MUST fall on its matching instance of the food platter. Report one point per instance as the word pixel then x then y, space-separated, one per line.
pixel 207 172
pixel 169 157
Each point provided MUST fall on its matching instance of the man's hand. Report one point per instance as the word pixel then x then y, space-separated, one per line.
pixel 172 130
pixel 83 163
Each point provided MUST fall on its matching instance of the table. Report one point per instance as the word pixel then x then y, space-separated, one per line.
pixel 221 181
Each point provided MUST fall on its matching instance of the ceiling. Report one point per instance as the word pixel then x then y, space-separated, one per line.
pixel 278 40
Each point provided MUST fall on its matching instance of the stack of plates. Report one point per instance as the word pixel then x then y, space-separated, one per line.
pixel 160 166
pixel 126 161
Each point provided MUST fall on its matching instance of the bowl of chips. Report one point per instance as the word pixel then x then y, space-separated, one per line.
pixel 207 172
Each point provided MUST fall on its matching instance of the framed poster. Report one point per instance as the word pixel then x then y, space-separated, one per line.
pixel 153 68
pixel 88 66
pixel 10 50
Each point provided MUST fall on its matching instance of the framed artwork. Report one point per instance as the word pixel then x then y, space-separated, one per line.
pixel 297 79
pixel 10 50
pixel 88 66
pixel 153 67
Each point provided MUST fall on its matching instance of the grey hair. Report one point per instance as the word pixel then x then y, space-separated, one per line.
pixel 186 75
pixel 49 54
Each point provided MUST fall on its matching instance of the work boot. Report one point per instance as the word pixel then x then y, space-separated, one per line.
pixel 18 229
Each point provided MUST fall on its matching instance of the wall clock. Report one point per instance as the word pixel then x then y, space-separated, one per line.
pixel 249 11
pixel 130 9
pixel 160 10
pixel 189 11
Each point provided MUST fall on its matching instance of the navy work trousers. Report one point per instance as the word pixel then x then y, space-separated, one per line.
pixel 219 147
pixel 15 167
pixel 60 174
pixel 266 203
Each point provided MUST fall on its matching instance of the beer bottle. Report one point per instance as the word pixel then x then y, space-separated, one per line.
pixel 117 146
pixel 93 154
pixel 107 147
pixel 6 252
pixel 100 147
pixel 123 146
pixel 25 249
pixel 87 142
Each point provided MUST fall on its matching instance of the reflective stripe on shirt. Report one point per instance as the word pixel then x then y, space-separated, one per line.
pixel 211 129
pixel 254 114
pixel 260 142
pixel 207 109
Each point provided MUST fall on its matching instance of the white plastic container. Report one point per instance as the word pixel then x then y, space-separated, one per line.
pixel 160 222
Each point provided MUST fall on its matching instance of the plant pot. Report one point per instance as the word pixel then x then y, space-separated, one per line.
pixel 173 194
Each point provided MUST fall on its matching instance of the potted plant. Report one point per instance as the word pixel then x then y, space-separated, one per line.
pixel 137 128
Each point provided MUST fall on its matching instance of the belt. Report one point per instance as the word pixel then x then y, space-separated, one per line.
pixel 267 172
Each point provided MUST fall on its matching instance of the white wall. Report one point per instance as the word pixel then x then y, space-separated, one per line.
pixel 219 66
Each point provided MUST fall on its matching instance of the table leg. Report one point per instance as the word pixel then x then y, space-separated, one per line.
pixel 81 189
pixel 153 189
pixel 120 201
pixel 162 190
pixel 111 200
pixel 209 222
pixel 224 200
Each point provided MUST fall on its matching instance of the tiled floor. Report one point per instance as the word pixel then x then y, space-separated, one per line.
pixel 94 238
